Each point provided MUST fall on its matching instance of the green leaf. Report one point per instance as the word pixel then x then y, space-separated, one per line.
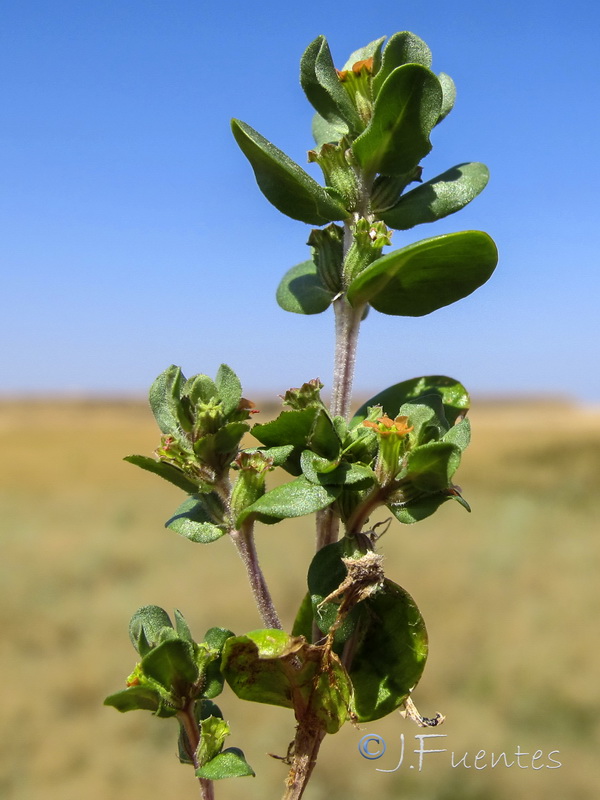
pixel 427 275
pixel 448 95
pixel 230 763
pixel 285 184
pixel 165 401
pixel 454 397
pixel 194 521
pixel 259 666
pixel 172 665
pixel 213 732
pixel 439 197
pixel 371 50
pixel 215 639
pixel 279 454
pixel 401 48
pixel 164 470
pixel 323 438
pixel 269 666
pixel 459 434
pixel 228 437
pixel 391 656
pixel 182 628
pixel 199 389
pixel 323 88
pixel 229 389
pixel 301 290
pixel 406 109
pixel 202 710
pixel 135 698
pixel 419 509
pixel 146 626
pixel 325 132
pixel 304 619
pixel 427 418
pixel 430 467
pixel 294 499
pixel 331 473
pixel 289 428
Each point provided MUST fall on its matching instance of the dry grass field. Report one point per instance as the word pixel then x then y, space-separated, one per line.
pixel 510 594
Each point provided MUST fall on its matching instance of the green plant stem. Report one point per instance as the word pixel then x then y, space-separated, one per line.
pixel 192 735
pixel 244 542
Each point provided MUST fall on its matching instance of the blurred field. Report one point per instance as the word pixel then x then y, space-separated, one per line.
pixel 510 594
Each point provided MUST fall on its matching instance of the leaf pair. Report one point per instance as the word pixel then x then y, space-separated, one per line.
pixel 413 281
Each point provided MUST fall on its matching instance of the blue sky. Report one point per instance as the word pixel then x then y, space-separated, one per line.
pixel 132 234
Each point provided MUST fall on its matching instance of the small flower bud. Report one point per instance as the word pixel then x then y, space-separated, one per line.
pixel 338 172
pixel 368 241
pixel 307 396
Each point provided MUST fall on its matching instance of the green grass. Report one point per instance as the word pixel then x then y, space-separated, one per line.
pixel 510 594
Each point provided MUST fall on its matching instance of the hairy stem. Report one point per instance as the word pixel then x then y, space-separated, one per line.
pixel 244 542
pixel 192 739
pixel 347 326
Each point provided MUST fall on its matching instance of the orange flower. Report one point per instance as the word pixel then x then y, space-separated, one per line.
pixel 357 68
pixel 387 427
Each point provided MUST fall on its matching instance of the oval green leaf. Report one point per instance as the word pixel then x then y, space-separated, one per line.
pixel 194 521
pixel 402 48
pixel 426 275
pixel 371 50
pixel 406 109
pixel 430 467
pixel 146 626
pixel 165 402
pixel 391 656
pixel 448 95
pixel 230 763
pixel 135 698
pixel 294 499
pixel 172 665
pixel 439 197
pixel 323 88
pixel 229 388
pixel 285 184
pixel 302 292
pixel 168 472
